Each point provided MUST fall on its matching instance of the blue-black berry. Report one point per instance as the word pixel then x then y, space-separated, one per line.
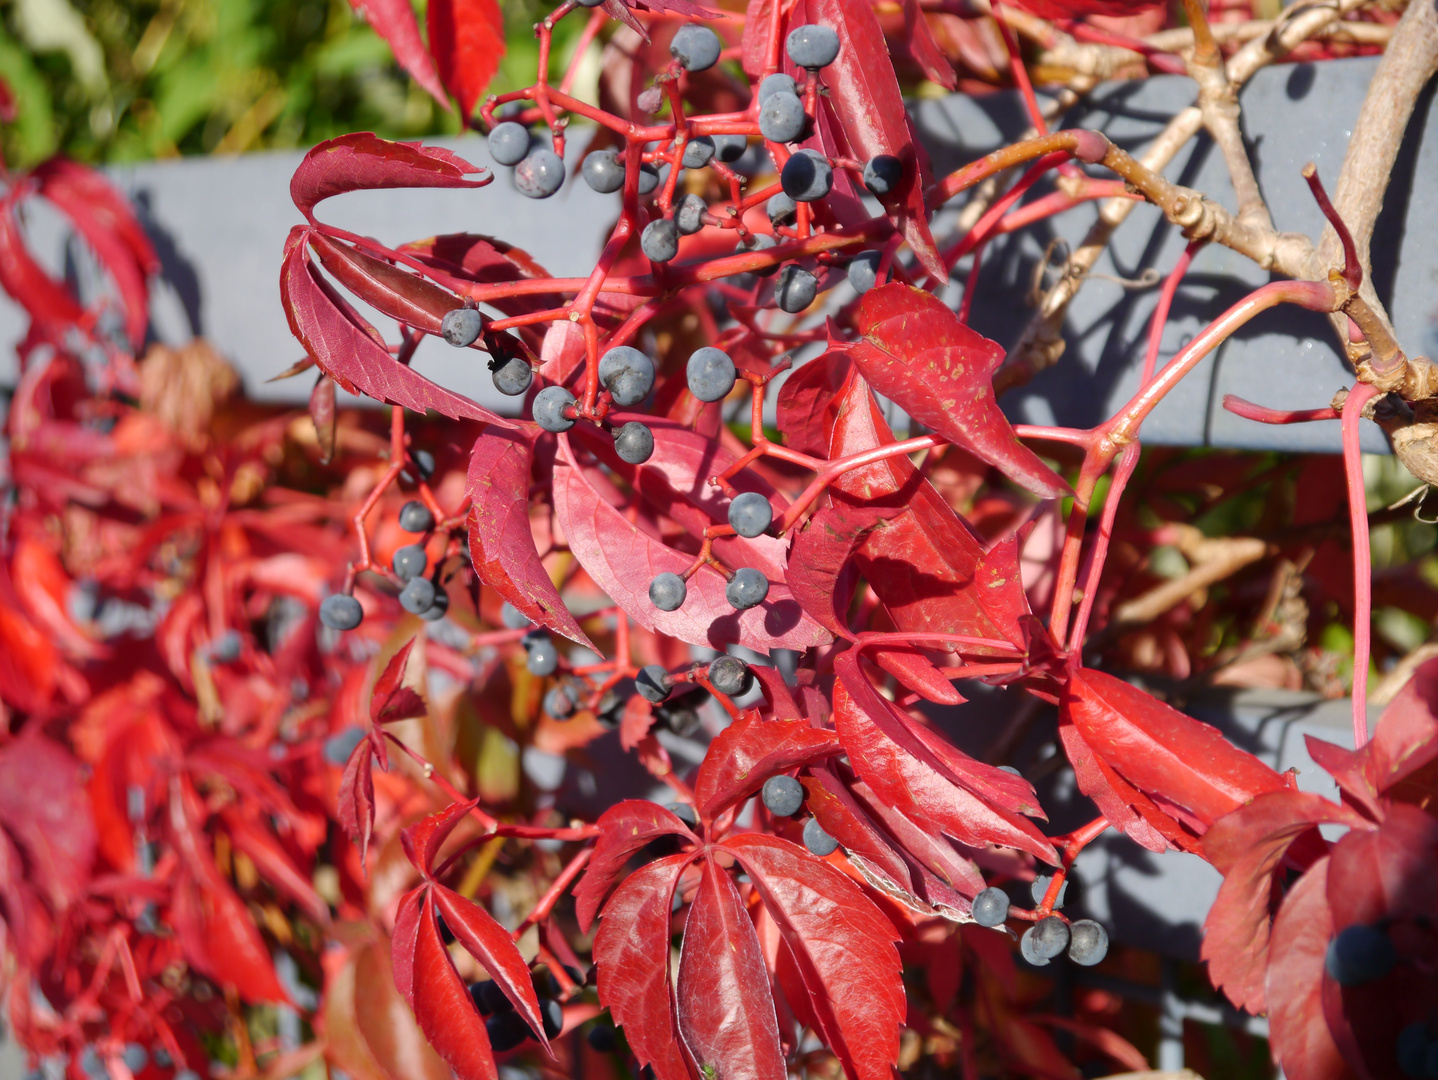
pixel 817 840
pixel 561 701
pixel 750 514
pixel 689 214
pixel 660 240
pixel 1414 1044
pixel 778 83
pixel 634 443
pixel 601 1039
pixel 653 683
pixel 883 173
pixel 511 374
pixel 603 171
pixel 423 462
pixel 461 327
pixel 417 596
pixel 509 143
pixel 746 588
pixel 543 657
pixel 807 176
pixel 863 272
pixel 729 675
pixel 549 406
pixel 409 561
pixel 540 174
pixel 780 209
pixel 341 612
pixel 991 907
pixel 648 178
pixel 696 47
pixel 667 591
pixel 438 609
pixel 506 1031
pixel 698 152
pixel 135 1057
pixel 1359 954
pixel 783 795
pixel 781 117
pixel 710 374
pixel 1044 940
pixel 415 517
pixel 729 148
pixel 627 374
pixel 812 46
pixel 489 999
pixel 552 1013
pixel 1088 942
pixel 795 290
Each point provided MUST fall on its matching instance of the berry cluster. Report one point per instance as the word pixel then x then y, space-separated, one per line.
pixel 1085 940
pixel 419 594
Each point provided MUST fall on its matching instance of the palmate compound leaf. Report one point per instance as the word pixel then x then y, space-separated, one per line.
pixel 842 946
pixel 623 829
pixel 394 21
pixel 914 350
pixel 864 93
pixel 390 700
pixel 748 752
pixel 726 1007
pixel 501 543
pixel 622 559
pixel 1248 846
pixel 631 953
pixel 1184 766
pixel 351 351
pixel 361 161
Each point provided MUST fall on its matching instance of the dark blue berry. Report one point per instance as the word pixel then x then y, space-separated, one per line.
pixel 417 597
pixel 634 443
pixel 1044 940
pixel 698 152
pixel 817 840
pixel 807 176
pixel 1088 943
pixel 782 118
pixel 746 588
pixel 653 683
pixel 549 406
pixel 415 517
pixel 864 271
pixel 795 290
pixel 696 47
pixel 812 46
pixel 340 745
pixel 511 374
pixel 666 592
pixel 226 648
pixel 778 83
pixel 601 1039
pixel 780 209
pixel 438 609
pixel 729 148
pixel 423 462
pixel 341 612
pixel 603 171
pixel 689 214
pixel 750 514
pixel 680 719
pixel 540 174
pixel 883 173
pixel 783 795
pixel 729 675
pixel 543 657
pixel 561 702
pixel 552 1014
pixel 135 1057
pixel 506 1031
pixel 627 374
pixel 660 240
pixel 648 178
pixel 991 907
pixel 1414 1044
pixel 461 327
pixel 710 374
pixel 509 143
pixel 1359 954
pixel 409 561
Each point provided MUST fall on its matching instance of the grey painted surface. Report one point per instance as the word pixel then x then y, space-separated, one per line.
pixel 220 225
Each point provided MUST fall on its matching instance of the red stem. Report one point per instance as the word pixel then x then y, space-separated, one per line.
pixel 1362 561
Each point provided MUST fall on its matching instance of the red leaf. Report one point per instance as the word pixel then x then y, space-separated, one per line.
pixel 1297 1032
pixel 748 752
pixel 424 838
pixel 1161 751
pixel 623 830
pixel 443 1007
pixel 391 702
pixel 726 1009
pixel 777 694
pixel 275 865
pixel 466 38
pixel 487 261
pixel 1108 1042
pixel 403 296
pixel 361 161
pixel 631 953
pixel 491 945
pixel 406 937
pixel 1249 846
pixel 924 49
pixel 356 797
pixel 44 299
pixel 351 351
pixel 1077 9
pixel 842 946
pixel 864 842
pixel 808 400
pixel 916 672
pixel 943 877
pixel 394 21
pixel 917 352
pixel 44 806
pixel 1388 872
pixel 754 46
pixel 864 92
pixel 912 784
pixel 501 543
pixel 1095 780
pixel 820 563
pixel 234 951
pixel 1405 741
pixel 622 559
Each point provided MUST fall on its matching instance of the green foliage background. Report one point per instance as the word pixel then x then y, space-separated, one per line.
pixel 120 80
